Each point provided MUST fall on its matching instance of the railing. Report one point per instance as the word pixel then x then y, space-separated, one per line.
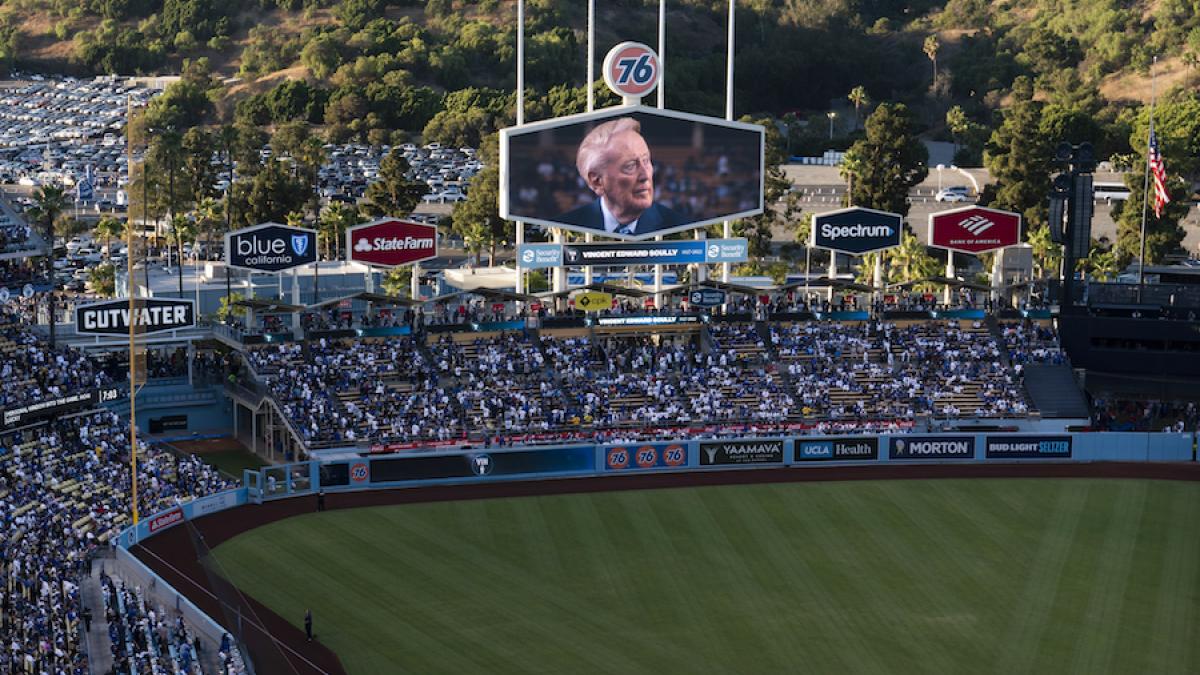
pixel 1180 296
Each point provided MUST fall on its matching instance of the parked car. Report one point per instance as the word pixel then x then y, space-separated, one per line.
pixel 956 193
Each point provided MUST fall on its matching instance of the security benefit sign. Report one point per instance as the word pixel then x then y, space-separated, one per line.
pixel 856 230
pixel 270 247
pixel 765 451
pixel 150 315
pixel 974 229
pixel 645 456
pixel 932 447
pixel 390 242
pixel 835 449
pixel 1028 447
pixel 706 297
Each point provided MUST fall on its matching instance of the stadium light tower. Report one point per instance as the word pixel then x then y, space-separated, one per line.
pixel 832 115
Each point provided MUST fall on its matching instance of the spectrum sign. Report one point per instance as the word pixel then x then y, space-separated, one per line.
pixel 856 230
pixel 974 229
pixel 390 242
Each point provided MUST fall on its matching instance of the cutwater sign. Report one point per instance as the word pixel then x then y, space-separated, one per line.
pixel 932 447
pixel 270 247
pixel 1028 447
pixel 856 230
pixel 150 315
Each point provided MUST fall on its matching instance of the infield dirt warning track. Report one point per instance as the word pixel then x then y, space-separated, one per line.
pixel 277 646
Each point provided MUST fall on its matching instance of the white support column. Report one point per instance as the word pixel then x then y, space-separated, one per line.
pixel 560 273
pixel 832 275
pixel 878 277
pixel 946 295
pixel 591 56
pixel 415 291
pixel 520 238
pixel 701 268
pixel 658 282
pixel 295 297
pixel 728 229
pixel 587 270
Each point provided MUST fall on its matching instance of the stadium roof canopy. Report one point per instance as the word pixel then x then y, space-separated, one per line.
pixel 942 281
pixel 377 298
pixel 261 305
pixel 490 294
pixel 603 287
pixel 732 288
pixel 826 282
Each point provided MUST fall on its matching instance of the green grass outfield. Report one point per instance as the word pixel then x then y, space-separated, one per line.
pixel 947 576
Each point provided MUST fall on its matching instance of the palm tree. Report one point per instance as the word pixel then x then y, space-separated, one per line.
pixel 1047 255
pixel 49 203
pixel 109 227
pixel 931 49
pixel 911 261
pixel 208 219
pixel 182 230
pixel 858 96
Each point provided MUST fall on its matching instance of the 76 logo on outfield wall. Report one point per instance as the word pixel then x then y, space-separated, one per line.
pixel 647 456
pixel 359 472
pixel 617 458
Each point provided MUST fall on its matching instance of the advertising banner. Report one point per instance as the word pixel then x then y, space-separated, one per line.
pixel 706 297
pixel 1028 447
pixel 165 519
pixel 932 447
pixel 57 406
pixel 390 242
pixel 151 315
pixel 765 451
pixel 270 247
pixel 550 460
pixel 857 230
pixel 835 449
pixel 650 320
pixel 681 252
pixel 645 456
pixel 593 302
pixel 974 229
pixel 631 172
pixel 539 256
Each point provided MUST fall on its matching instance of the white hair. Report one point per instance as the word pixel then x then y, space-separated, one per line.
pixel 590 156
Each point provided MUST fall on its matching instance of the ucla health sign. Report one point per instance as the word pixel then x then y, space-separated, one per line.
pixel 835 449
pixel 270 247
pixel 856 230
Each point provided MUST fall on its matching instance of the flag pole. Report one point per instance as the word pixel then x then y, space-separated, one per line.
pixel 1146 180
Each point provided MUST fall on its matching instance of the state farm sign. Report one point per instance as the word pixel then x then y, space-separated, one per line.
pixel 390 242
pixel 974 229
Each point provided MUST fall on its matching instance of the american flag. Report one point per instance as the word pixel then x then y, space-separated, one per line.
pixel 1159 170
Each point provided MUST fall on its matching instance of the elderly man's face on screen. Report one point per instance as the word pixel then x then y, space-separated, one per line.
pixel 625 177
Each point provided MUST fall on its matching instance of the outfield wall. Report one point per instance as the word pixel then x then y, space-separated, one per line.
pixel 581 460
pixel 466 466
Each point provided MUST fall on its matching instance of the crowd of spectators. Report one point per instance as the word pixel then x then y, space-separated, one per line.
pixel 518 385
pixel 33 372
pixel 146 639
pixel 1120 414
pixel 64 493
pixel 1032 343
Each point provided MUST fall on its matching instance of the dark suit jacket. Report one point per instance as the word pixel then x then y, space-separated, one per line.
pixel 653 219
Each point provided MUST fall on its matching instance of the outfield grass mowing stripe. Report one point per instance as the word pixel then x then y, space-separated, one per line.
pixel 921 576
pixel 1115 564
